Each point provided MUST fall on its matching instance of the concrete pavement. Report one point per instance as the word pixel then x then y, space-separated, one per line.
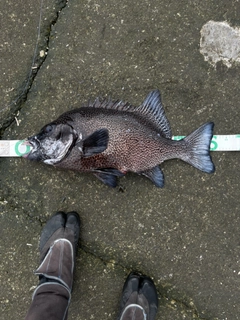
pixel 184 236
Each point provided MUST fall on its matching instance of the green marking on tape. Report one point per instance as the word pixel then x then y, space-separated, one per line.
pixel 214 144
pixel 178 137
pixel 17 148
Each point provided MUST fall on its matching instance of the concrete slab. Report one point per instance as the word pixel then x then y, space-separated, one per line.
pixel 185 236
pixel 23 48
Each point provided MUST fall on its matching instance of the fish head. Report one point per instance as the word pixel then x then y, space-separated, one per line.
pixel 52 144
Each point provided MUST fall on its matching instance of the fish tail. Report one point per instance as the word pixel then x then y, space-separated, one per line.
pixel 198 144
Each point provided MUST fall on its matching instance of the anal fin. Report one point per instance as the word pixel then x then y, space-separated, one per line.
pixel 155 175
pixel 108 176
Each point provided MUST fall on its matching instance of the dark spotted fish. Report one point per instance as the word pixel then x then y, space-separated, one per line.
pixel 110 138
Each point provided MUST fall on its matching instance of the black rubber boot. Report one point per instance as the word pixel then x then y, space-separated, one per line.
pixel 58 245
pixel 139 298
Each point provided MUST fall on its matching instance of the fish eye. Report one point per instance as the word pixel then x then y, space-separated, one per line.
pixel 48 128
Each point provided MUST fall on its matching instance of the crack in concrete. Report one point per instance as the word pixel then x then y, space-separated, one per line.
pixel 168 300
pixel 17 104
pixel 43 39
pixel 162 292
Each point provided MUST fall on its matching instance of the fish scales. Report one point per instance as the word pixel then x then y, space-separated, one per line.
pixel 110 138
pixel 138 147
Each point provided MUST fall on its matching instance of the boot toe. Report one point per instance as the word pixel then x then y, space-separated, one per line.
pixel 149 292
pixel 56 222
pixel 129 292
pixel 73 224
pixel 148 289
pixel 73 221
pixel 131 285
pixel 139 290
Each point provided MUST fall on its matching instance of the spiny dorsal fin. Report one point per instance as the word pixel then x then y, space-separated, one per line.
pixel 111 104
pixel 151 110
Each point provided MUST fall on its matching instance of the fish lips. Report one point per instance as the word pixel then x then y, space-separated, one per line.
pixel 35 153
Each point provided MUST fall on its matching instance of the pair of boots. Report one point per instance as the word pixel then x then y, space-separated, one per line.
pixel 58 246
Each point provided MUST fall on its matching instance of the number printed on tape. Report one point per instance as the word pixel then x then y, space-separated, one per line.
pixel 4 148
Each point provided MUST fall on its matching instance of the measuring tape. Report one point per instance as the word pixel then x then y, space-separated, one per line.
pixel 13 148
pixel 221 142
pixel 16 148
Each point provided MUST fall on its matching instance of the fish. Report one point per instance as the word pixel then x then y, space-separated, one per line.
pixel 111 137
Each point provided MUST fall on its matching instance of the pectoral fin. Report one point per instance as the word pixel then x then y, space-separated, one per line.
pixel 155 175
pixel 96 143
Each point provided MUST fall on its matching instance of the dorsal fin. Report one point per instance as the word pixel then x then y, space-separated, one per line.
pixel 110 104
pixel 151 110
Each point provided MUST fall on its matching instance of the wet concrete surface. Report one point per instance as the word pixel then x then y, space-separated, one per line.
pixel 185 236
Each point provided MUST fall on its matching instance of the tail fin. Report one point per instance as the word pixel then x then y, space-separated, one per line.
pixel 198 143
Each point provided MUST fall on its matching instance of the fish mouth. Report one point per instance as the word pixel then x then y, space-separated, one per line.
pixel 33 143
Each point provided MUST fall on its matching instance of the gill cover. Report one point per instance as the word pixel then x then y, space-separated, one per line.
pixel 53 143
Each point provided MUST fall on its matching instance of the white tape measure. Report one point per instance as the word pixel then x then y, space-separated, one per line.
pixel 13 148
pixel 17 148
pixel 222 142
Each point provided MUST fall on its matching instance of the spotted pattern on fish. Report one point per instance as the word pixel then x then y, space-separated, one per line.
pixel 111 138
